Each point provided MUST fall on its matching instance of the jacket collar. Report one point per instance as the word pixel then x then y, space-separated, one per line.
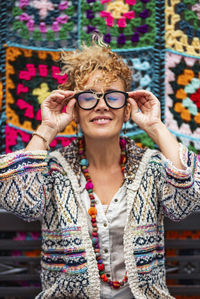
pixel 134 157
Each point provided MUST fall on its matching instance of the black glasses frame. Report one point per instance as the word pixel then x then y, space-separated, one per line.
pixel 99 95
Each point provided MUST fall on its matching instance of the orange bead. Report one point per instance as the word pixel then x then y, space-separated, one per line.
pixel 92 211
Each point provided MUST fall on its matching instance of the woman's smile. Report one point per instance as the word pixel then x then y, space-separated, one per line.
pixel 101 120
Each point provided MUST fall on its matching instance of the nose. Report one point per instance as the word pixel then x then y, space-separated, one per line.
pixel 101 105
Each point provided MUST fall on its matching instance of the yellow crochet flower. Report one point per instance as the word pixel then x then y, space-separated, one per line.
pixel 42 92
pixel 117 8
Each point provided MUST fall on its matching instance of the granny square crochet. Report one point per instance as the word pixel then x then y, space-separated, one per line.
pixel 183 26
pixel 30 77
pixel 43 23
pixel 124 24
pixel 183 98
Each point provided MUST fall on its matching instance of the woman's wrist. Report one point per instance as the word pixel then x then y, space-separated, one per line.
pixel 41 138
pixel 47 132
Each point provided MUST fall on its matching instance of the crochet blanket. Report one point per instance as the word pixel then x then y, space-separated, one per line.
pixel 160 42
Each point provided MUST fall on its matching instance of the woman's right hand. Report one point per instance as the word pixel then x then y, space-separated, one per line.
pixel 52 109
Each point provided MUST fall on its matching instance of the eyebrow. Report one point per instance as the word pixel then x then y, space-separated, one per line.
pixel 95 91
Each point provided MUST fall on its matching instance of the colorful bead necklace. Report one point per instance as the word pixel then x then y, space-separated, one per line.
pixel 93 212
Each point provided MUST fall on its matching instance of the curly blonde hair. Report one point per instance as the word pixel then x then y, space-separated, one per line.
pixel 80 64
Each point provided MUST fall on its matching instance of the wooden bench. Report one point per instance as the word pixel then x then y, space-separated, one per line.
pixel 19 274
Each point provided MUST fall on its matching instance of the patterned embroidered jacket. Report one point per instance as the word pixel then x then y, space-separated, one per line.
pixel 34 186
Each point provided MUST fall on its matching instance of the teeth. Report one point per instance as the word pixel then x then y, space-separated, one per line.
pixel 101 120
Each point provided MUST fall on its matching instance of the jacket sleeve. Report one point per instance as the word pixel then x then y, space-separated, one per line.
pixel 22 182
pixel 180 189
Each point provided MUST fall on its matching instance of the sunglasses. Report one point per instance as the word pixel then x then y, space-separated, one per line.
pixel 88 100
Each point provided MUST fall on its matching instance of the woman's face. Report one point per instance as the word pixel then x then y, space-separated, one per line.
pixel 102 121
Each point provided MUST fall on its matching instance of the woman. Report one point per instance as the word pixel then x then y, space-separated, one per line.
pixel 101 200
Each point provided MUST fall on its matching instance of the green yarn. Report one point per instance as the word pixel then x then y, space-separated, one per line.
pixel 113 44
pixel 85 6
pixel 136 22
pixel 68 26
pixel 103 28
pixel 24 33
pixel 97 21
pixel 50 36
pixel 84 21
pixel 151 5
pixel 128 30
pixel 190 2
pixel 63 34
pixel 151 22
pixel 97 7
pixel 70 11
pixel 17 25
pixel 37 35
pixel 138 7
pixel 190 15
pixel 16 11
pixel 114 31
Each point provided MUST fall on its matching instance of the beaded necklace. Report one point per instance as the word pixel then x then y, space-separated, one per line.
pixel 93 212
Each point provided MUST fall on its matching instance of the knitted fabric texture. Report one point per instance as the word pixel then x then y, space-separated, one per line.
pixel 67 248
pixel 145 32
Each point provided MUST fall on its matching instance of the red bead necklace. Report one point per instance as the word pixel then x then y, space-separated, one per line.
pixel 93 212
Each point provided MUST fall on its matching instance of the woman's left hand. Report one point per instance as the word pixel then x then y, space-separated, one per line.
pixel 145 109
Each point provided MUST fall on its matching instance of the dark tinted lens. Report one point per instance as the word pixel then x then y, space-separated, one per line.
pixel 115 99
pixel 87 100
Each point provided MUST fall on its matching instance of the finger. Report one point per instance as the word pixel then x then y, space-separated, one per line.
pixel 64 92
pixel 136 94
pixel 61 95
pixel 70 106
pixel 134 105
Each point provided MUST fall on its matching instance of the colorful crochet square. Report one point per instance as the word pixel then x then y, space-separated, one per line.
pixel 16 139
pixel 30 77
pixel 183 26
pixel 183 98
pixel 143 65
pixel 44 23
pixel 124 24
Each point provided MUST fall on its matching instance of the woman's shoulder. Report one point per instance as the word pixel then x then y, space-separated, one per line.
pixel 65 157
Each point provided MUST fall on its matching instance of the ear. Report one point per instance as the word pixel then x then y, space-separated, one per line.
pixel 127 112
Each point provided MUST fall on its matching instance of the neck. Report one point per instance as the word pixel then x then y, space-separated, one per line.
pixel 103 153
